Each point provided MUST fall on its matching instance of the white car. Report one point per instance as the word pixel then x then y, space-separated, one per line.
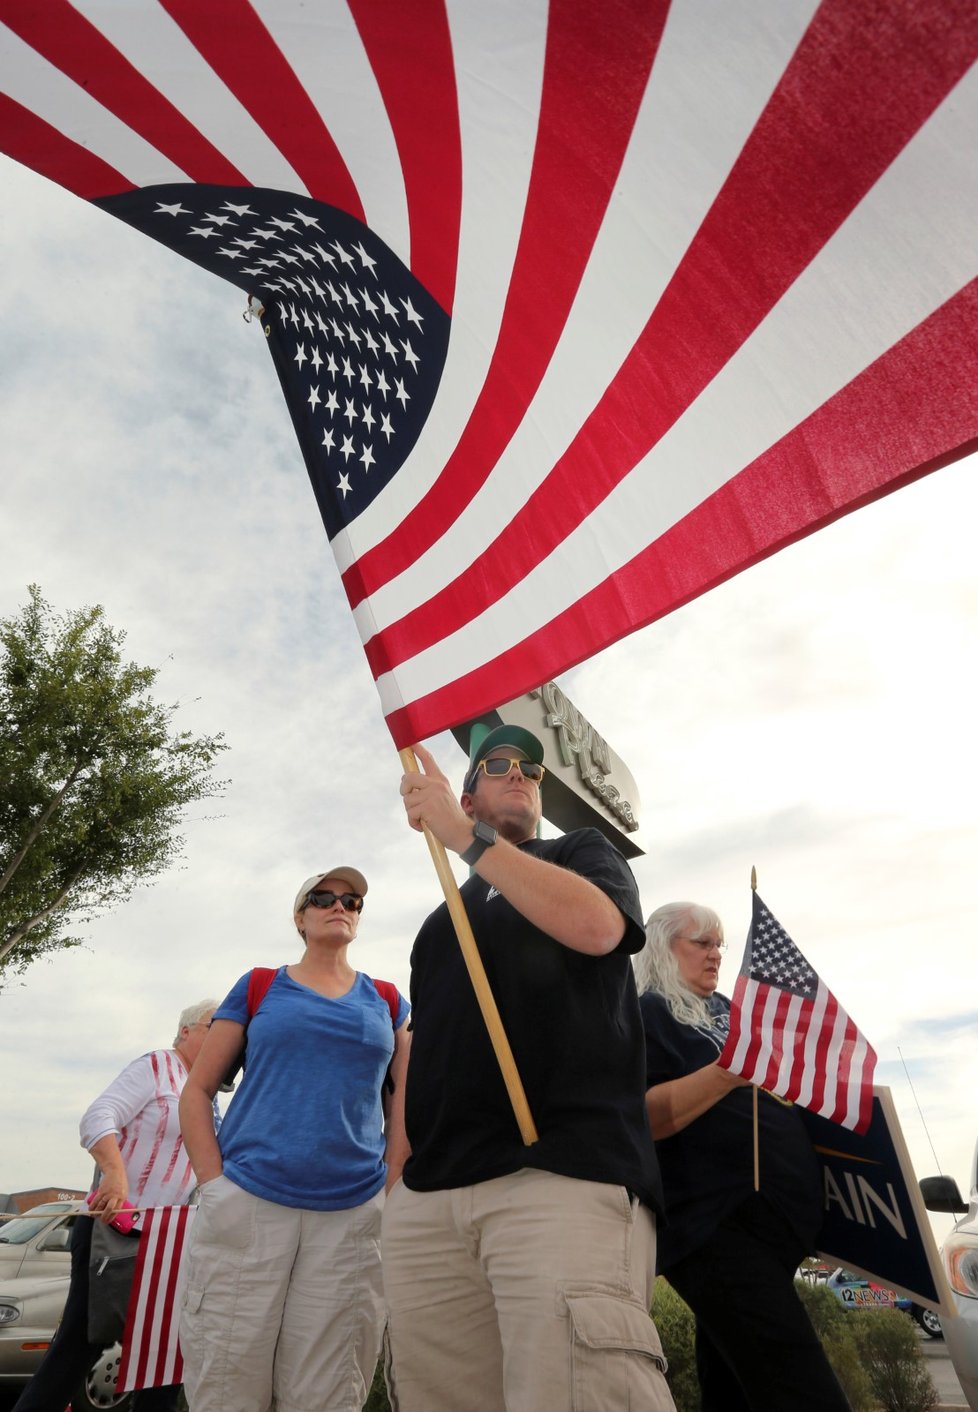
pixel 35 1265
pixel 960 1255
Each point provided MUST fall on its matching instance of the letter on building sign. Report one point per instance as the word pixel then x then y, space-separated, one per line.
pixel 580 744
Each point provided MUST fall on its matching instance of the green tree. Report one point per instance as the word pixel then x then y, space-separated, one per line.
pixel 93 777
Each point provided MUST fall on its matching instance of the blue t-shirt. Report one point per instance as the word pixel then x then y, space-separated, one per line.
pixel 305 1127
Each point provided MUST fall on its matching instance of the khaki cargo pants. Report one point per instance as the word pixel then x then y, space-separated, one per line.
pixel 528 1293
pixel 280 1303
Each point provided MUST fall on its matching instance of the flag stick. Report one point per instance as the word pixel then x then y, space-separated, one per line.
pixel 477 975
pixel 757 1160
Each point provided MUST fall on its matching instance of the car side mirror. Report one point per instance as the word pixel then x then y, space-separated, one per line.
pixel 55 1240
pixel 941 1194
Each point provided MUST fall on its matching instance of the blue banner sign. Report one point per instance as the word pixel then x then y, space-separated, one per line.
pixel 875 1221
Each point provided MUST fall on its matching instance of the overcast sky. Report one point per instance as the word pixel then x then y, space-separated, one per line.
pixel 814 717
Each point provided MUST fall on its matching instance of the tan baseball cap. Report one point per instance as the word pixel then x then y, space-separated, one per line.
pixel 353 876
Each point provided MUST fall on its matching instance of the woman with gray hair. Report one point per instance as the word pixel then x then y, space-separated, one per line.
pixel 731 1252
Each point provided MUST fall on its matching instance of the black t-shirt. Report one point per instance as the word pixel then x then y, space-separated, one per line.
pixel 574 1027
pixel 708 1167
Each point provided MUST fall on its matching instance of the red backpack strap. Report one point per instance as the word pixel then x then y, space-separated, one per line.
pixel 388 992
pixel 258 982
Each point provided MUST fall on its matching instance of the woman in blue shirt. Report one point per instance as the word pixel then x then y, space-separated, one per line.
pixel 283 1297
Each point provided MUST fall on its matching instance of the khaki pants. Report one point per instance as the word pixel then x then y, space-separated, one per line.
pixel 528 1293
pixel 280 1304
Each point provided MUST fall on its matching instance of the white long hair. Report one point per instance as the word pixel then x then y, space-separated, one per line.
pixel 656 968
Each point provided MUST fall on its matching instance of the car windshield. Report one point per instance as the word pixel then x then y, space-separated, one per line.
pixel 23 1228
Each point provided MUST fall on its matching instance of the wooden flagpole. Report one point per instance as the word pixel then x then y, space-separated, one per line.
pixel 757 1158
pixel 477 975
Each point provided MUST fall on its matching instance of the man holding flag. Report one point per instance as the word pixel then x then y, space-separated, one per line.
pixel 518 1274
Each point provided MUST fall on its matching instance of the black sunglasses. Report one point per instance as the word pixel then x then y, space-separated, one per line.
pixel 351 902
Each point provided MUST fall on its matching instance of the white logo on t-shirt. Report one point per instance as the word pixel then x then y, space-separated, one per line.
pixel 492 893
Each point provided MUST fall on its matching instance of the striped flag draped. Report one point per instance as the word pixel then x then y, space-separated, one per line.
pixel 150 1344
pixel 789 1034
pixel 579 309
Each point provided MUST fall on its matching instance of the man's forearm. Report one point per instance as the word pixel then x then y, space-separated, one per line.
pixel 565 905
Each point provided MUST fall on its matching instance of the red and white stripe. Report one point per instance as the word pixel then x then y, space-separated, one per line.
pixel 150 1344
pixel 711 270
pixel 807 1051
pixel 140 1106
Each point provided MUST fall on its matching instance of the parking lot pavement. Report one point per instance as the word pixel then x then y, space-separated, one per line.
pixel 942 1371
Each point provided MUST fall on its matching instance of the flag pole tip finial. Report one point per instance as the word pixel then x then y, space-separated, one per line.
pixel 753 879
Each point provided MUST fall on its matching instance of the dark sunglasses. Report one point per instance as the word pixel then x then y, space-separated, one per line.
pixel 499 765
pixel 350 901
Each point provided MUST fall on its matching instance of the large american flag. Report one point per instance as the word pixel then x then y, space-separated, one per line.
pixel 151 1354
pixel 789 1034
pixel 579 308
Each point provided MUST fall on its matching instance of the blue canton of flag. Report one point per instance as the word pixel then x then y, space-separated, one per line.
pixel 358 343
pixel 774 959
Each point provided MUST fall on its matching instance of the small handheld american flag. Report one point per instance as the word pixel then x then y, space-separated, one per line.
pixel 789 1034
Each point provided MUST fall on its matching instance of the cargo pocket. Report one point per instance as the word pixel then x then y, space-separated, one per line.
pixel 617 1359
pixel 190 1330
pixel 225 1215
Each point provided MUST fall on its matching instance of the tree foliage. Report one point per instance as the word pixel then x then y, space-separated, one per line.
pixel 94 777
pixel 834 1326
pixel 889 1350
pixel 677 1334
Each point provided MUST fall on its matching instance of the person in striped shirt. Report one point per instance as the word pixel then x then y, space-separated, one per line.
pixel 132 1129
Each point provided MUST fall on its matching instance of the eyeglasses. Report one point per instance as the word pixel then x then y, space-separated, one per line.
pixel 705 943
pixel 350 901
pixel 499 765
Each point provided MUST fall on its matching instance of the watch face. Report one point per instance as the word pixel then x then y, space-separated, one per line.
pixel 483 836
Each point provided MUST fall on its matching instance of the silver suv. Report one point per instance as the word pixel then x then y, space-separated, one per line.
pixel 960 1255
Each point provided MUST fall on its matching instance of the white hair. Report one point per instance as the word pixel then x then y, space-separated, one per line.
pixel 194 1014
pixel 656 967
